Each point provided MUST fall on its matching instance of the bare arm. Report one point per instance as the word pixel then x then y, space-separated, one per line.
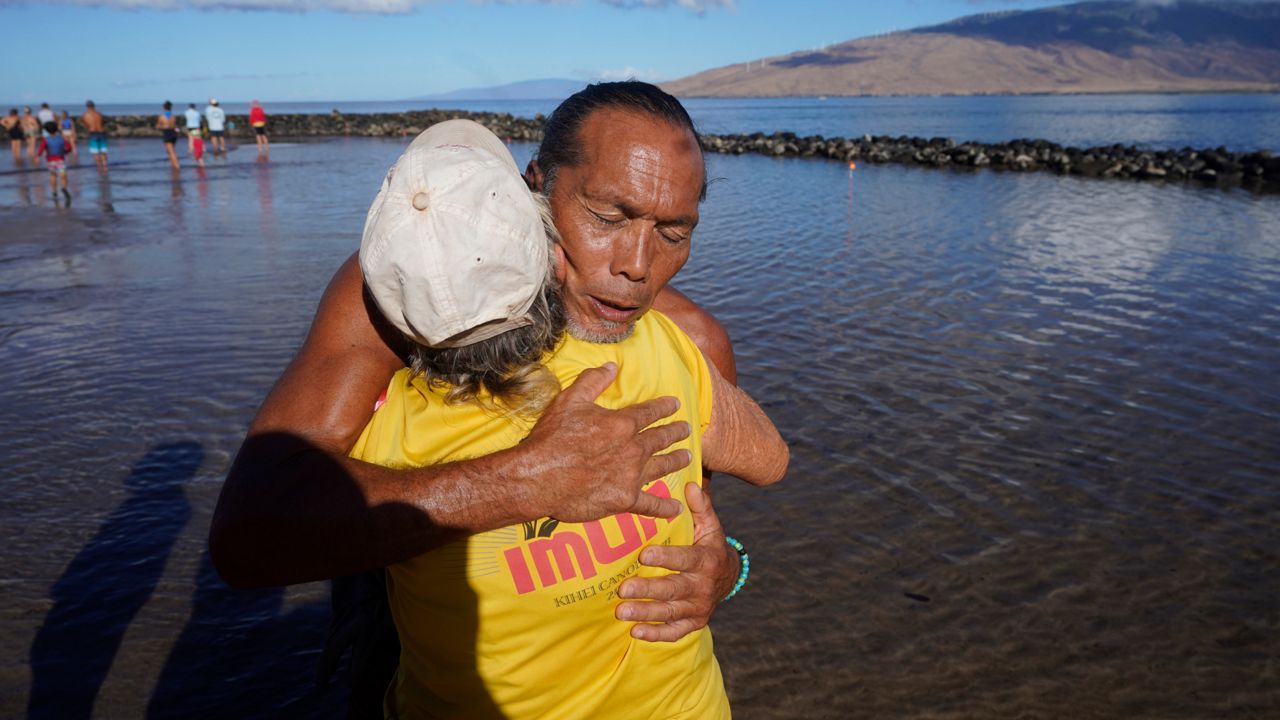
pixel 741 440
pixel 295 508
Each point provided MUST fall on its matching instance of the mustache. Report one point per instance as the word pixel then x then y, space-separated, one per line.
pixel 619 299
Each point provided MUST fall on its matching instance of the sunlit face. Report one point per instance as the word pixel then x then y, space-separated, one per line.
pixel 626 215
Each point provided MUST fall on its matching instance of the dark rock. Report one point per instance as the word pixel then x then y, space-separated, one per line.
pixel 1216 165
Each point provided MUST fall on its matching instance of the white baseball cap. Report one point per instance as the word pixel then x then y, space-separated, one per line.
pixel 454 250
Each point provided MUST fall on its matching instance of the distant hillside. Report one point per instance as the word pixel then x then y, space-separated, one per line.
pixel 1086 47
pixel 549 89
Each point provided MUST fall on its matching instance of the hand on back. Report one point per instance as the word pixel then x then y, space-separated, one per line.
pixel 585 462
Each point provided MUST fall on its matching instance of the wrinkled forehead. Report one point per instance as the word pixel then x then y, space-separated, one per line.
pixel 632 147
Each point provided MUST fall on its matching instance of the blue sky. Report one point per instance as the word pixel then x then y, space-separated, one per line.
pixel 296 50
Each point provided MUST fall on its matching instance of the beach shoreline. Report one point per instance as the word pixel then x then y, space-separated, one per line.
pixel 1257 171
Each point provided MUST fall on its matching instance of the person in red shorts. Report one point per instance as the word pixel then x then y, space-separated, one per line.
pixel 258 119
pixel 197 149
pixel 54 147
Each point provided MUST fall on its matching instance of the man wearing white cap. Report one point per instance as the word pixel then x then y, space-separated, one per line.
pixel 216 118
pixel 455 254
pixel 624 174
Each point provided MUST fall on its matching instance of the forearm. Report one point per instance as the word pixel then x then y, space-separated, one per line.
pixel 291 512
pixel 741 439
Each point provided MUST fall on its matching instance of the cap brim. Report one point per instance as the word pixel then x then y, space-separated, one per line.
pixel 484 332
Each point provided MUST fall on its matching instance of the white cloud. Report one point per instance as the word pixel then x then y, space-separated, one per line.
pixel 626 73
pixel 379 7
pixel 698 6
pixel 369 7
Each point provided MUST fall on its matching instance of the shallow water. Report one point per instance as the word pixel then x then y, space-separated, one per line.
pixel 1242 122
pixel 1033 419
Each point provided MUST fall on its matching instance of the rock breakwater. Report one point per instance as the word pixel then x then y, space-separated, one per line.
pixel 1217 166
pixel 1258 170
pixel 337 123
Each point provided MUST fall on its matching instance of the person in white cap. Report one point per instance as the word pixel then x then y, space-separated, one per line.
pixel 193 119
pixel 454 250
pixel 457 254
pixel 621 165
pixel 216 118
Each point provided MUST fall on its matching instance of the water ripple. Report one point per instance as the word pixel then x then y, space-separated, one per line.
pixel 1049 406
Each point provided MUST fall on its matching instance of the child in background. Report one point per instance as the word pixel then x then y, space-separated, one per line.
pixel 54 146
pixel 68 127
pixel 197 148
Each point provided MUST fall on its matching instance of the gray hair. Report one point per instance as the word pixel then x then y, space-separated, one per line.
pixel 504 373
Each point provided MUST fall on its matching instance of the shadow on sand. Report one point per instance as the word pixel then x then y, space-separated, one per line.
pixel 240 657
pixel 108 582
pixel 240 654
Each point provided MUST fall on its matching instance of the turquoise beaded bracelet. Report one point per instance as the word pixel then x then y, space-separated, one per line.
pixel 745 561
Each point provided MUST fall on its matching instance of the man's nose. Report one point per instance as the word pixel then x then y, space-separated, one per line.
pixel 632 252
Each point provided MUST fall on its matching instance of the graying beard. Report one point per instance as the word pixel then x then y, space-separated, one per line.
pixel 586 334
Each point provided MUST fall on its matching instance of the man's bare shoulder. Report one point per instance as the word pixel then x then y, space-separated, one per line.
pixel 348 322
pixel 702 327
pixel 351 352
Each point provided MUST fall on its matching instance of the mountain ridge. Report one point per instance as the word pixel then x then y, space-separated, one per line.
pixel 540 89
pixel 1094 47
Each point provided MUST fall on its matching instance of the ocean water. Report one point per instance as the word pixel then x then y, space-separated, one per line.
pixel 1033 420
pixel 1240 122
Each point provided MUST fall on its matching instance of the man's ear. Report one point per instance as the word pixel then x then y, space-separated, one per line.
pixel 559 266
pixel 533 176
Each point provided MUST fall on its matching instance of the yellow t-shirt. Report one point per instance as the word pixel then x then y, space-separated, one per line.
pixel 519 622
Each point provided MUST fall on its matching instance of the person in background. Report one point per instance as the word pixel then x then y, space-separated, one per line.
pixel 45 115
pixel 68 128
pixel 95 124
pixel 12 125
pixel 258 119
pixel 168 126
pixel 217 120
pixel 193 127
pixel 197 147
pixel 30 131
pixel 55 148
